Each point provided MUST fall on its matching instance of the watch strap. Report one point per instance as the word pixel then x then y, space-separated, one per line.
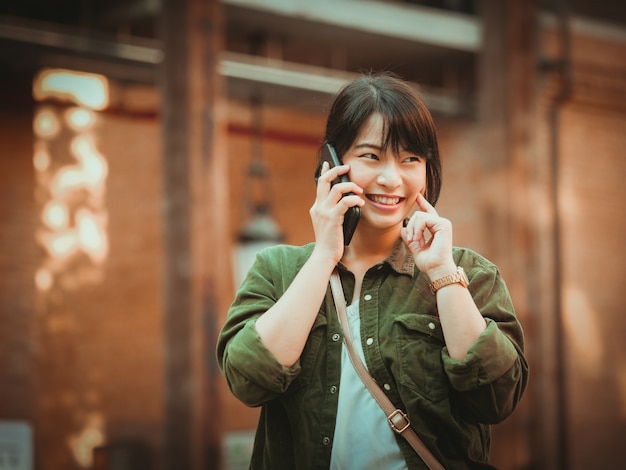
pixel 458 276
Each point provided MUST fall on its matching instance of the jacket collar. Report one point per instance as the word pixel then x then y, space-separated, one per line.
pixel 401 260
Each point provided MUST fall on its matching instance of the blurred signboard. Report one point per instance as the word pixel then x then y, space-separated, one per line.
pixel 16 446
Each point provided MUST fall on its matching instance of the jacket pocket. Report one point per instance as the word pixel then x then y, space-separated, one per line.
pixel 419 341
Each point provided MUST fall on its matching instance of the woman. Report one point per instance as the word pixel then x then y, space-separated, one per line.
pixel 452 360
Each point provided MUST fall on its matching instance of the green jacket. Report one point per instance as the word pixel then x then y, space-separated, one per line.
pixel 450 403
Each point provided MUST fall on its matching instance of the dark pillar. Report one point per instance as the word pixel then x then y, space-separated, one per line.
pixel 508 67
pixel 196 254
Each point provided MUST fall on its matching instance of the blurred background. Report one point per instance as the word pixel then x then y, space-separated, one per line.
pixel 150 147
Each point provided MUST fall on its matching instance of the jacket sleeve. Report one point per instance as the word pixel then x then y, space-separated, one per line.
pixel 489 382
pixel 252 372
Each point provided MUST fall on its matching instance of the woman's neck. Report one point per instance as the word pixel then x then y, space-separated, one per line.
pixel 366 250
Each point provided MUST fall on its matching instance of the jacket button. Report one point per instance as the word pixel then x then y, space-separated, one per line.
pixel 336 337
pixel 333 389
pixel 326 441
pixel 367 297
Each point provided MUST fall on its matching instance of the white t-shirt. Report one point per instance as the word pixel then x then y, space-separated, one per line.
pixel 363 438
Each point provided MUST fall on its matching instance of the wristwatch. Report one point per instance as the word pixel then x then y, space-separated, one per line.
pixel 459 276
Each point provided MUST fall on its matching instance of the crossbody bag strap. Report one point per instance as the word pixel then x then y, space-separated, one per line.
pixel 398 420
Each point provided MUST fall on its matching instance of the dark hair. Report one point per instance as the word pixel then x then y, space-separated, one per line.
pixel 407 123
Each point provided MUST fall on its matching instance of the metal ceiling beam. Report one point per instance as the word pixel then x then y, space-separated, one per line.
pixel 280 73
pixel 52 36
pixel 260 70
pixel 408 22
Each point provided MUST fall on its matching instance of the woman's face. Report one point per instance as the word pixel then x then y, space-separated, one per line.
pixel 390 181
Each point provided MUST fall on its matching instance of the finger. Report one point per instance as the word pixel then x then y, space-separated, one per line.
pixel 424 205
pixel 328 176
pixel 406 235
pixel 419 226
pixel 414 240
pixel 343 190
pixel 349 201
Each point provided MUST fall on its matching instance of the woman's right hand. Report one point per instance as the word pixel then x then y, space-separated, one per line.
pixel 329 208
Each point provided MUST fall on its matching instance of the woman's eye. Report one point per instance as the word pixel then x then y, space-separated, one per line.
pixel 413 158
pixel 371 156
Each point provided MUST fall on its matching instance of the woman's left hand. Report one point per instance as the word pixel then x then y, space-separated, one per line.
pixel 433 255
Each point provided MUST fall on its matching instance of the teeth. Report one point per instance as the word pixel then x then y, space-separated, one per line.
pixel 385 200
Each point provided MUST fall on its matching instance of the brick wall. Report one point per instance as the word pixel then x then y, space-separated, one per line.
pixel 591 166
pixel 81 362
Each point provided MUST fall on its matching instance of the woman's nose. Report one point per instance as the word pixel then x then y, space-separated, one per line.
pixel 389 175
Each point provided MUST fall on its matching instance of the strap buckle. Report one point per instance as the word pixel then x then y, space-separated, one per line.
pixel 399 421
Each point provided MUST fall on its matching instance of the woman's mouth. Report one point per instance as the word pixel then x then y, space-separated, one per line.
pixel 385 200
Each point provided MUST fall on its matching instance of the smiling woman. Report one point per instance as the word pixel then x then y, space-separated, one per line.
pixel 433 323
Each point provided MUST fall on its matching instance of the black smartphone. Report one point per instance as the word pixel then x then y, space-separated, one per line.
pixel 352 216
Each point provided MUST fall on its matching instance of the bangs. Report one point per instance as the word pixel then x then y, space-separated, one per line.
pixel 404 128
